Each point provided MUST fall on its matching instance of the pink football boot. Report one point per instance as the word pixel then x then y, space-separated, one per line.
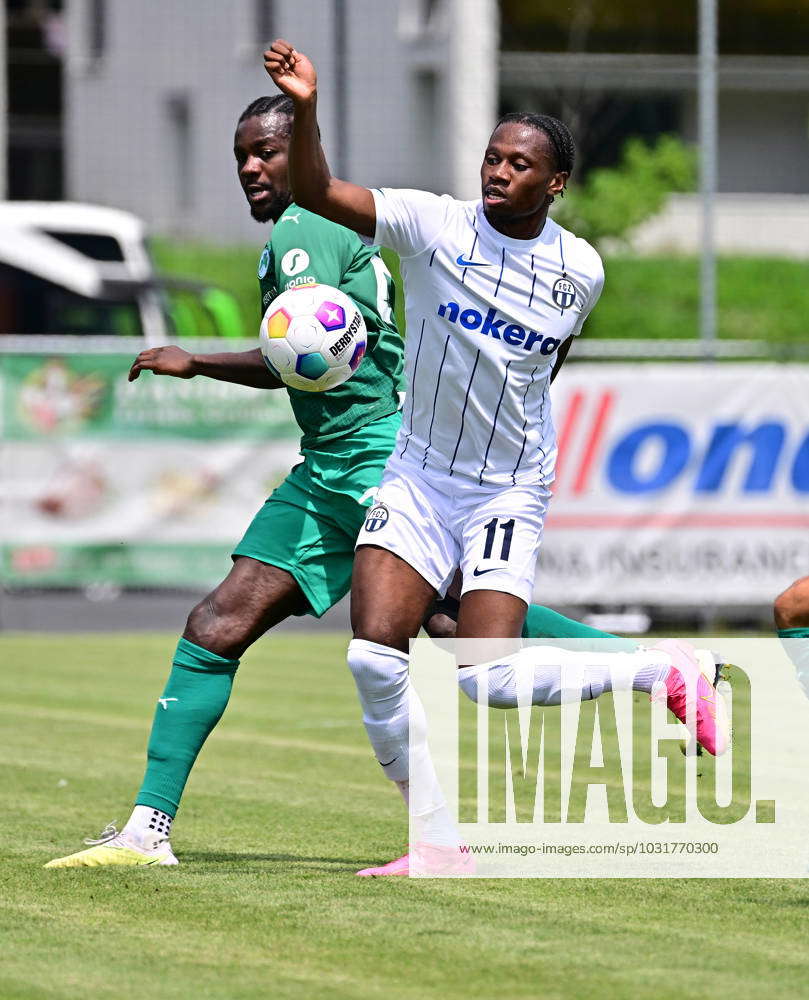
pixel 401 866
pixel 430 860
pixel 687 680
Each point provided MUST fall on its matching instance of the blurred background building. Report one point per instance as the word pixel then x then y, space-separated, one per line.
pixel 133 105
pixel 139 101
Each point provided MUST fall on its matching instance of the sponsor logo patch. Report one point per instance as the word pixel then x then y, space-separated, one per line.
pixel 498 328
pixel 302 279
pixel 294 261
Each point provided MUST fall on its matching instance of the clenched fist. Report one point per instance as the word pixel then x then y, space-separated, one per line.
pixel 291 71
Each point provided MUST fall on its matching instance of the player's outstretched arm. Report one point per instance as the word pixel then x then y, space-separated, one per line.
pixel 311 181
pixel 241 367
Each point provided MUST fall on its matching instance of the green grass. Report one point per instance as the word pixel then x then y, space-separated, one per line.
pixel 285 804
pixel 644 297
pixel 658 297
pixel 231 268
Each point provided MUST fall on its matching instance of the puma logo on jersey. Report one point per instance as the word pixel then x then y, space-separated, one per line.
pixel 499 329
pixel 165 701
pixel 292 218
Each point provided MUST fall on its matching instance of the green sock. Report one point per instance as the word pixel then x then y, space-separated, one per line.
pixel 542 623
pixel 798 652
pixel 793 633
pixel 192 703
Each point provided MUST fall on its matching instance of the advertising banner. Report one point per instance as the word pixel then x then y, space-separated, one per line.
pixel 148 483
pixel 676 483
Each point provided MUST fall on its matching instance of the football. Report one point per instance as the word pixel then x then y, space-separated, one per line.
pixel 313 337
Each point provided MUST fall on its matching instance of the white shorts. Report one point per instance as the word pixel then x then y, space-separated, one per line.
pixel 437 526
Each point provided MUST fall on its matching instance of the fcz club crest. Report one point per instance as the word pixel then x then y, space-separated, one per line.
pixel 564 293
pixel 377 517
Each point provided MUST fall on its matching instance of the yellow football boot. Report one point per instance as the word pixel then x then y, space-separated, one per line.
pixel 113 848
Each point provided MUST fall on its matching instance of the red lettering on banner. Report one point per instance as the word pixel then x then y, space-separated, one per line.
pixel 593 441
pixel 567 429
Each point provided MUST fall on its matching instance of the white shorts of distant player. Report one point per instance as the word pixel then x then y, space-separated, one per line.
pixel 438 524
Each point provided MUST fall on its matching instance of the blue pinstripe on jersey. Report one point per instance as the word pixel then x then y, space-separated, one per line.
pixel 474 244
pixel 463 412
pixel 545 400
pixel 412 391
pixel 494 424
pixel 435 400
pixel 524 426
pixel 533 282
pixel 502 265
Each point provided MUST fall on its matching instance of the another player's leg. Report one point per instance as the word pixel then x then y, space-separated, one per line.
pixel 791 612
pixel 545 623
pixel 500 548
pixel 540 622
pixel 552 674
pixel 253 598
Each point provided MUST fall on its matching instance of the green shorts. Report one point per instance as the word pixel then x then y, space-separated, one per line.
pixel 309 524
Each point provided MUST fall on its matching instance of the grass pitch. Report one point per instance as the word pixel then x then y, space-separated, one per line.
pixel 285 804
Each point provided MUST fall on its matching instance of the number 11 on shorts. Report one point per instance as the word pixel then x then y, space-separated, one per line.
pixel 491 529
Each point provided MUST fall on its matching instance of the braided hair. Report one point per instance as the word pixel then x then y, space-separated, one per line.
pixel 280 105
pixel 558 134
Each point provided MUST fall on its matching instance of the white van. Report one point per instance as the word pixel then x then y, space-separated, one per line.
pixel 68 268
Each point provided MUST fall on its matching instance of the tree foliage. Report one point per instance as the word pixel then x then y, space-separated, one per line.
pixel 614 200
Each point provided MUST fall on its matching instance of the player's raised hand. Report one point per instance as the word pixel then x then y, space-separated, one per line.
pixel 290 70
pixel 163 361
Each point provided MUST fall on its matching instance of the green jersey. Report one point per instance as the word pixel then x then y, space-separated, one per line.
pixel 303 248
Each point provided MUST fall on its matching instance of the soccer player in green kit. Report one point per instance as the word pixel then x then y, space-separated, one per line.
pixel 297 554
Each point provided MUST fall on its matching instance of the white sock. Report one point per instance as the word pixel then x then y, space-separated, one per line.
pixel 148 827
pixel 550 675
pixel 397 728
pixel 650 667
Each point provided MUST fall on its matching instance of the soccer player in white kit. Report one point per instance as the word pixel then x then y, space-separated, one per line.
pixel 495 292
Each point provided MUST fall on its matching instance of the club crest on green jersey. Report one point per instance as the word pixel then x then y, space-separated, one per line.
pixel 264 263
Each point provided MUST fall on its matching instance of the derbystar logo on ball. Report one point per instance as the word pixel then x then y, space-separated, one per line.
pixel 313 337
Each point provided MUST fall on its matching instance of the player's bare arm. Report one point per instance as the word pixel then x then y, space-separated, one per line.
pixel 242 367
pixel 349 205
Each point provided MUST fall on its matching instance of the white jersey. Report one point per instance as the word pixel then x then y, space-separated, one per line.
pixel 486 315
